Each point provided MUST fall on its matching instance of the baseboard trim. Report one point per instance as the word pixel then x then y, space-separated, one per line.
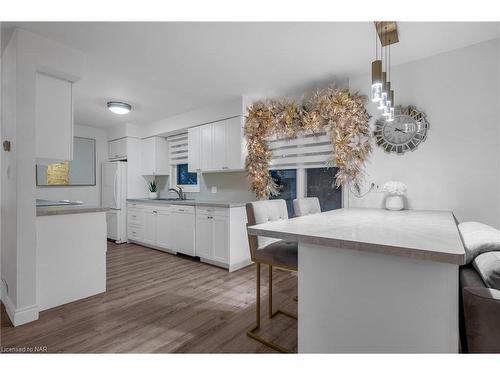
pixel 19 316
pixel 240 265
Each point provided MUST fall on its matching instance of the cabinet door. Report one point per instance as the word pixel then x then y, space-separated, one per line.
pixel 150 227
pixel 220 235
pixel 194 146
pixel 206 138
pixel 53 118
pixel 162 162
pixel 234 144
pixel 163 230
pixel 203 236
pixel 148 156
pixel 117 149
pixel 219 146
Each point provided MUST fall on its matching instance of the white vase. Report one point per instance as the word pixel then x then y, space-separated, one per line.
pixel 153 195
pixel 394 202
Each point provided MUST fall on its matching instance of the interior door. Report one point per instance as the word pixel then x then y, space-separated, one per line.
pixel 110 185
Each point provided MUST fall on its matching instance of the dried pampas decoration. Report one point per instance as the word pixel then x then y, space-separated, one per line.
pixel 337 111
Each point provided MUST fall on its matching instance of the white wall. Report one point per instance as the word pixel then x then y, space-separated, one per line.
pixel 87 194
pixel 458 167
pixel 25 54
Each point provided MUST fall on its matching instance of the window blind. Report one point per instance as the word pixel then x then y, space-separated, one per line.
pixel 178 148
pixel 305 151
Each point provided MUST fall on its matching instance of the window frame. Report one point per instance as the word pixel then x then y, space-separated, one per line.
pixel 185 188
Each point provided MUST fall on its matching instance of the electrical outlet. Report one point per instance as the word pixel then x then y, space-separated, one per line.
pixel 213 189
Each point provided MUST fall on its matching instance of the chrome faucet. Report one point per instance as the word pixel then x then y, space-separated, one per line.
pixel 179 192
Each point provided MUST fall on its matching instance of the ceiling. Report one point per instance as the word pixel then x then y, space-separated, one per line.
pixel 166 68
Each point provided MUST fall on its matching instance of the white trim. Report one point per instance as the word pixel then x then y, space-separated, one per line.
pixel 19 316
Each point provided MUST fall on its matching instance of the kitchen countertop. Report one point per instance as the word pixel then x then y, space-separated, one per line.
pixel 194 202
pixel 68 209
pixel 425 235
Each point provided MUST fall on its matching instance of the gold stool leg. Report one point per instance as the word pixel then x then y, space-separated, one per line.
pixel 251 333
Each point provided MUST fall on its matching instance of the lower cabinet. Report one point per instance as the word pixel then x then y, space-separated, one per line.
pixel 212 237
pixel 216 235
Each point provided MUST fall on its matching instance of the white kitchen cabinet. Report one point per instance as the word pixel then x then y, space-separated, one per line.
pixel 164 229
pixel 155 156
pixel 150 217
pixel 217 147
pixel 212 235
pixel 204 236
pixel 206 153
pixel 194 149
pixel 53 119
pixel 117 149
pixel 215 234
pixel 235 144
pixel 220 242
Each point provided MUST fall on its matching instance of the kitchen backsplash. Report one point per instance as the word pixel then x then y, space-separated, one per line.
pixel 231 186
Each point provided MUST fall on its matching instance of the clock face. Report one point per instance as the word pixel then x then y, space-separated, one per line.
pixel 405 133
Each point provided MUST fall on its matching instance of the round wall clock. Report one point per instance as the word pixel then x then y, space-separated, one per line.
pixel 405 133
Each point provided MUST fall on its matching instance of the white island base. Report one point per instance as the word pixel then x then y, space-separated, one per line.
pixel 361 302
pixel 71 256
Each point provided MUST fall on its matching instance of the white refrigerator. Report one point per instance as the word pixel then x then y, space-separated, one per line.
pixel 114 196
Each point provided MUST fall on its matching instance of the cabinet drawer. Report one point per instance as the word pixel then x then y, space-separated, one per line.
pixel 135 232
pixel 136 206
pixel 135 217
pixel 212 211
pixel 182 209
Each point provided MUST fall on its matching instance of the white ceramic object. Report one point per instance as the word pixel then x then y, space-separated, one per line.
pixel 153 195
pixel 394 202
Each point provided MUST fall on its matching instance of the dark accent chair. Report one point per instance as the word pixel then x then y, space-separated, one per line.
pixel 479 314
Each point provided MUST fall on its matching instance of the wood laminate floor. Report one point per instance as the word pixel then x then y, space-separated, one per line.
pixel 160 303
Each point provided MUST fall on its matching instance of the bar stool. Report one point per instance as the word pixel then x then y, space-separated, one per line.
pixel 270 251
pixel 306 206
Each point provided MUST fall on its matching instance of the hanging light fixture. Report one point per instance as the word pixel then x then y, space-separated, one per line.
pixel 381 92
pixel 376 91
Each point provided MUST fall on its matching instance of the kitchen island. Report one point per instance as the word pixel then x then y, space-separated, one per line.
pixel 71 253
pixel 375 281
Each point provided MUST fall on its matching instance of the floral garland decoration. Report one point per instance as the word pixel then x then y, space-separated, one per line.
pixel 334 110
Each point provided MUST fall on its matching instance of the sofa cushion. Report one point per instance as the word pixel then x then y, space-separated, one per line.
pixel 488 267
pixel 478 238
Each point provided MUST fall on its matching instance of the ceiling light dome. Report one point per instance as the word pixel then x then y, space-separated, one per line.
pixel 120 108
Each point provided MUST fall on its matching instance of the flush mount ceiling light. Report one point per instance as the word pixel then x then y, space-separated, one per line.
pixel 119 108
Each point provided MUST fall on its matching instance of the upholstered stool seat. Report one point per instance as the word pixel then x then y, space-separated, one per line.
pixel 306 206
pixel 272 252
pixel 279 254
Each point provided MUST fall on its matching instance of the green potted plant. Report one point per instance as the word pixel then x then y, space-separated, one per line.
pixel 153 189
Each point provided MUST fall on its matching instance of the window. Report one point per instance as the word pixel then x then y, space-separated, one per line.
pixel 188 181
pixel 184 177
pixel 286 179
pixel 320 183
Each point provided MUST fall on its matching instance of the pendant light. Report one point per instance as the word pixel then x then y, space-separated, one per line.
pixel 390 103
pixel 376 90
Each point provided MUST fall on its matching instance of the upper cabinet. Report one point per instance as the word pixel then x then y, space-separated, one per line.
pixel 155 160
pixel 117 149
pixel 217 147
pixel 54 119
